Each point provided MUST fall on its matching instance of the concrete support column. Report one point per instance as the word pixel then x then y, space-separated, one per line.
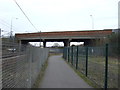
pixel 89 42
pixel 66 43
pixel 24 42
pixel 44 43
pixel 86 42
pixel 23 46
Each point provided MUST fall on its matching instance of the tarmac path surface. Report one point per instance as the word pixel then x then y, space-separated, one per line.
pixel 60 75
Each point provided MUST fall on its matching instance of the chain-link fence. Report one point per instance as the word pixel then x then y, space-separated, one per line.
pixel 99 64
pixel 21 65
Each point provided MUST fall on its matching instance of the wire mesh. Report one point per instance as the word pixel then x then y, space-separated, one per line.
pixel 113 66
pixel 21 67
pixel 82 59
pixel 74 56
pixel 96 65
pixel 10 49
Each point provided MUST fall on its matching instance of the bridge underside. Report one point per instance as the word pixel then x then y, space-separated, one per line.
pixel 87 42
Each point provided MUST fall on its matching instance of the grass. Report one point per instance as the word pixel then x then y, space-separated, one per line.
pixel 40 76
pixel 96 70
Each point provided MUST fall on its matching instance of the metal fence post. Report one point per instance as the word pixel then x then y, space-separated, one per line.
pixel 77 58
pixel 106 67
pixel 68 54
pixel 72 55
pixel 64 53
pixel 30 65
pixel 86 72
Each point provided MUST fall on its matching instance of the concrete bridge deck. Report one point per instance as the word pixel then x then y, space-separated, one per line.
pixel 88 37
pixel 59 75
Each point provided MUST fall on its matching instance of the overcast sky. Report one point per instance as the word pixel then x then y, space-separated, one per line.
pixel 58 15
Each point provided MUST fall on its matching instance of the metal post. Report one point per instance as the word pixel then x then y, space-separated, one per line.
pixel 72 55
pixel 40 39
pixel 106 67
pixel 11 32
pixel 30 56
pixel 68 54
pixel 92 21
pixel 64 53
pixel 77 58
pixel 86 61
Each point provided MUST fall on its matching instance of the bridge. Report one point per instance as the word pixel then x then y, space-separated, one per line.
pixel 64 36
pixel 23 67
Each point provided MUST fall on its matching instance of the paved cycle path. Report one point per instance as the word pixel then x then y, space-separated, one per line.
pixel 60 75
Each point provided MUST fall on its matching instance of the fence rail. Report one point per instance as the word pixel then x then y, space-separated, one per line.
pixel 99 64
pixel 21 65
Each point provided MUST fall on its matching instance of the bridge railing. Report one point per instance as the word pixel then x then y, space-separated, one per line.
pixel 99 64
pixel 21 65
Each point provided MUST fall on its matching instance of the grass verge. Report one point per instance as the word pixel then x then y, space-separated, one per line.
pixel 40 76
